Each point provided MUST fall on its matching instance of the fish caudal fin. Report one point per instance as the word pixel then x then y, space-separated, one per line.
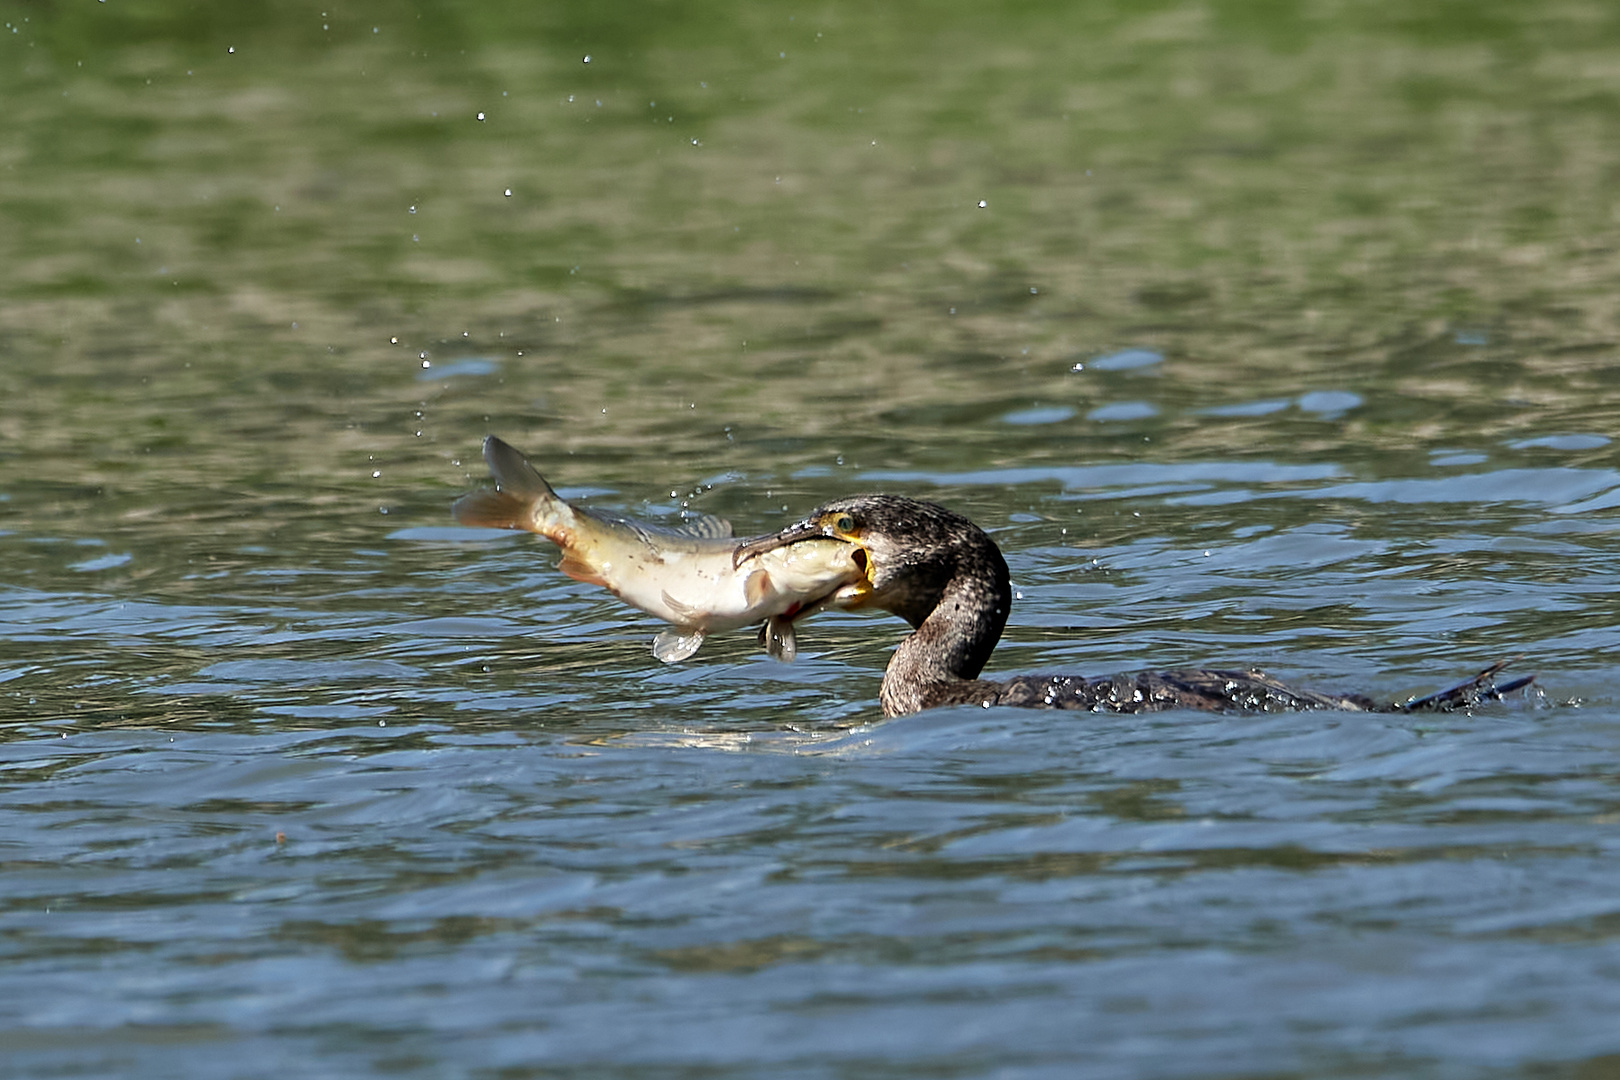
pixel 520 497
pixel 494 510
pixel 513 473
pixel 673 646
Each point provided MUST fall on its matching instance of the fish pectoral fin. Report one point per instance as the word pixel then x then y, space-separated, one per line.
pixel 779 638
pixel 757 587
pixel 580 570
pixel 680 610
pixel 673 646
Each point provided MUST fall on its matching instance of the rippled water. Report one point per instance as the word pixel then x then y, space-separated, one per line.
pixel 1284 336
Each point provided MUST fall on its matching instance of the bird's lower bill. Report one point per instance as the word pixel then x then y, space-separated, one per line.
pixel 856 593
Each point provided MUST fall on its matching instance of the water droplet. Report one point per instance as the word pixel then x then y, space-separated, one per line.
pixel 427 363
pixel 587 58
pixel 231 49
pixel 508 193
pixel 413 209
pixel 376 473
pixel 983 204
pixel 480 118
pixel 393 341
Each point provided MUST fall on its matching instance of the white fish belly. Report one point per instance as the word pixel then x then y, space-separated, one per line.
pixel 702 591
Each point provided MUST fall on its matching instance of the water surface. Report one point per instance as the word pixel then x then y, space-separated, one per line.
pixel 1254 333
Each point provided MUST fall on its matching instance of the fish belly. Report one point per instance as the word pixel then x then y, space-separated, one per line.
pixel 701 591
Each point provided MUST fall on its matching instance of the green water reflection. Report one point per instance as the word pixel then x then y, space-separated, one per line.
pixel 217 221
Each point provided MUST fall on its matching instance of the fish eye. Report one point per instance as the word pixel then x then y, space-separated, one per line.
pixel 844 523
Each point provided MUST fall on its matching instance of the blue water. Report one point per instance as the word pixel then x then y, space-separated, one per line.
pixel 334 828
pixel 1274 334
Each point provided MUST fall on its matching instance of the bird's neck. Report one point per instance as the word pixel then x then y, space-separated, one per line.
pixel 950 646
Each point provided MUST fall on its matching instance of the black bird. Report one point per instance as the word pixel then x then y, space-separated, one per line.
pixel 938 571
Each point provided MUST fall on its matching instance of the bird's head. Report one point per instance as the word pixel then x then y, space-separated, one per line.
pixel 912 551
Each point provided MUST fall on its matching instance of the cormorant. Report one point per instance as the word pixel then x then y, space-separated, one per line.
pixel 942 574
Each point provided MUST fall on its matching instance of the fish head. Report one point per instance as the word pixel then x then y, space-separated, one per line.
pixel 911 550
pixel 820 572
pixel 816 562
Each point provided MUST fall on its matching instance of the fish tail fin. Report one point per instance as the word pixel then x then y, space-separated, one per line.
pixel 520 500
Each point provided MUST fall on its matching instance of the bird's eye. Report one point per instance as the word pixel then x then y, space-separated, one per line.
pixel 844 524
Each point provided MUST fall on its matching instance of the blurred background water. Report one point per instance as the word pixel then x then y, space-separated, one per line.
pixel 1255 332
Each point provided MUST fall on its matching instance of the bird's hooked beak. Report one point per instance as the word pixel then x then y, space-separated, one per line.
pixel 808 529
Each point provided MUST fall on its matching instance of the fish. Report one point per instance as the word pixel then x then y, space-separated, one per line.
pixel 687 576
